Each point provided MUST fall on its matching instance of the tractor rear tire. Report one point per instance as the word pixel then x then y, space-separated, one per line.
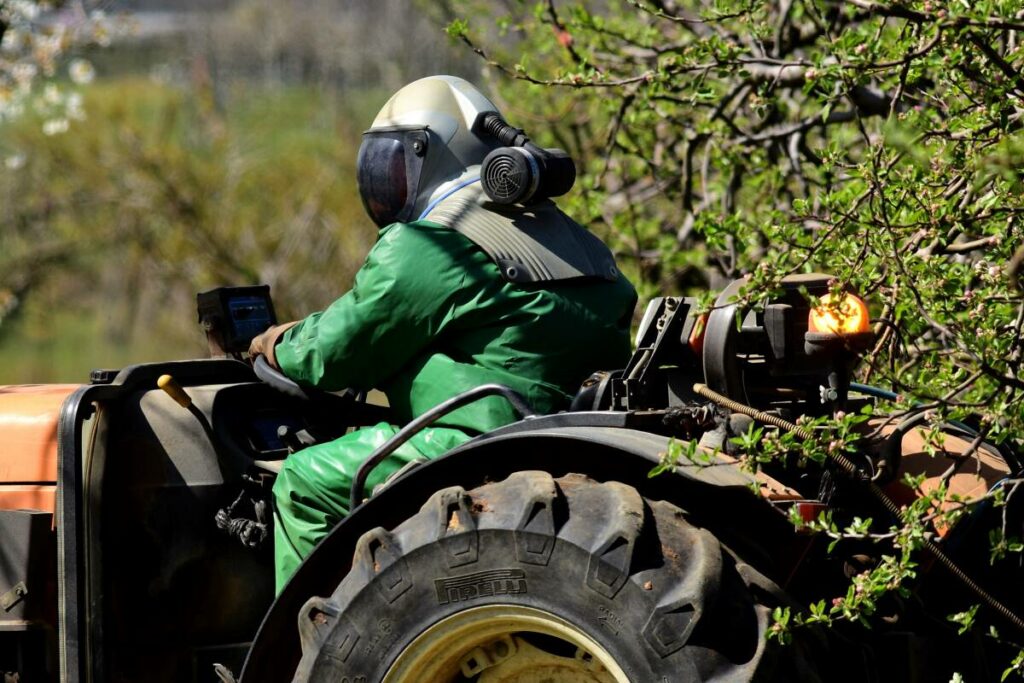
pixel 542 579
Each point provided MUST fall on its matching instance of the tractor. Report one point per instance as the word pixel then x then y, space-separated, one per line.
pixel 624 540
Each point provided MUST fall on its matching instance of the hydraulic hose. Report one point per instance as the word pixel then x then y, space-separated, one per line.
pixel 877 392
pixel 847 466
pixel 509 136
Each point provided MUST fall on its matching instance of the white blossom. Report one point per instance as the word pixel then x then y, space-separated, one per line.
pixel 81 71
pixel 56 126
pixel 13 41
pixel 23 73
pixel 74 108
pixel 32 50
pixel 15 161
pixel 51 95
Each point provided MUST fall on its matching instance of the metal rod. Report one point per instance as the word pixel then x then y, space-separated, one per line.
pixel 518 403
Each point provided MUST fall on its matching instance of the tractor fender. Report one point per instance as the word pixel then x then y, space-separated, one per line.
pixel 719 497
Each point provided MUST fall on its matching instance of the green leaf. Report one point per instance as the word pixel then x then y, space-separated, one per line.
pixel 457 28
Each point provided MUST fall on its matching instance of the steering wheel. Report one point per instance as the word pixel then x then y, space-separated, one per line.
pixel 277 380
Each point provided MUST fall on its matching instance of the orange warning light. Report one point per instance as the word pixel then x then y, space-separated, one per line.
pixel 696 340
pixel 841 315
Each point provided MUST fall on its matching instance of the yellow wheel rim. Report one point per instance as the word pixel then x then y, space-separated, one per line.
pixel 498 644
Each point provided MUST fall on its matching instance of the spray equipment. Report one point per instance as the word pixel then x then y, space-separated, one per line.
pixel 520 172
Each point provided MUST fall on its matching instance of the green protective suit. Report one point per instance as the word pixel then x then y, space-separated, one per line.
pixel 429 317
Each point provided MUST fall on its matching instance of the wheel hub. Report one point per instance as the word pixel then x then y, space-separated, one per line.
pixel 515 660
pixel 504 644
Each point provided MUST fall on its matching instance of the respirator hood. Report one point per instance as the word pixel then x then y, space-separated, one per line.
pixel 421 139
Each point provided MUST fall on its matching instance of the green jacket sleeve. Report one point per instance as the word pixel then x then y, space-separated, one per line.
pixel 401 299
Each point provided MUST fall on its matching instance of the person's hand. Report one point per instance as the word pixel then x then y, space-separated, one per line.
pixel 263 344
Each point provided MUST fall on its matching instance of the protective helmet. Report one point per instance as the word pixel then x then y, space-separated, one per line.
pixel 420 145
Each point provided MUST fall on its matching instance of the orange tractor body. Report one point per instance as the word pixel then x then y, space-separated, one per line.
pixel 28 451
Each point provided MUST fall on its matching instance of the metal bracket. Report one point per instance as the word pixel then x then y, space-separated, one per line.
pixel 224 674
pixel 12 597
pixel 662 357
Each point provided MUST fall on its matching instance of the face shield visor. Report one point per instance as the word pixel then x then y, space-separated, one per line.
pixel 388 171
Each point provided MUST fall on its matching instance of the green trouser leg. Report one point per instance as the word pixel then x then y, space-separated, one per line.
pixel 312 492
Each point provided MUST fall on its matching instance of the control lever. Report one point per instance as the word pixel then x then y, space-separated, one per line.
pixel 248 517
pixel 295 440
pixel 170 386
pixel 173 388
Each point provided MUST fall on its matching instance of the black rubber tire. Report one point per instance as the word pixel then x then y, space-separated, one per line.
pixel 662 596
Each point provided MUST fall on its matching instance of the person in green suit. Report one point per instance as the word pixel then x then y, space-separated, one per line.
pixel 458 291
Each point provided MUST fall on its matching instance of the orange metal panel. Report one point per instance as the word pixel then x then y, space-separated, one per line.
pixel 28 432
pixel 769 488
pixel 27 497
pixel 968 475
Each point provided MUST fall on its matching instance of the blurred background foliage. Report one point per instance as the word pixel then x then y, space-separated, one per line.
pixel 216 145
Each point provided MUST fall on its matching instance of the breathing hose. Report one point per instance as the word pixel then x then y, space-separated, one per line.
pixel 847 466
